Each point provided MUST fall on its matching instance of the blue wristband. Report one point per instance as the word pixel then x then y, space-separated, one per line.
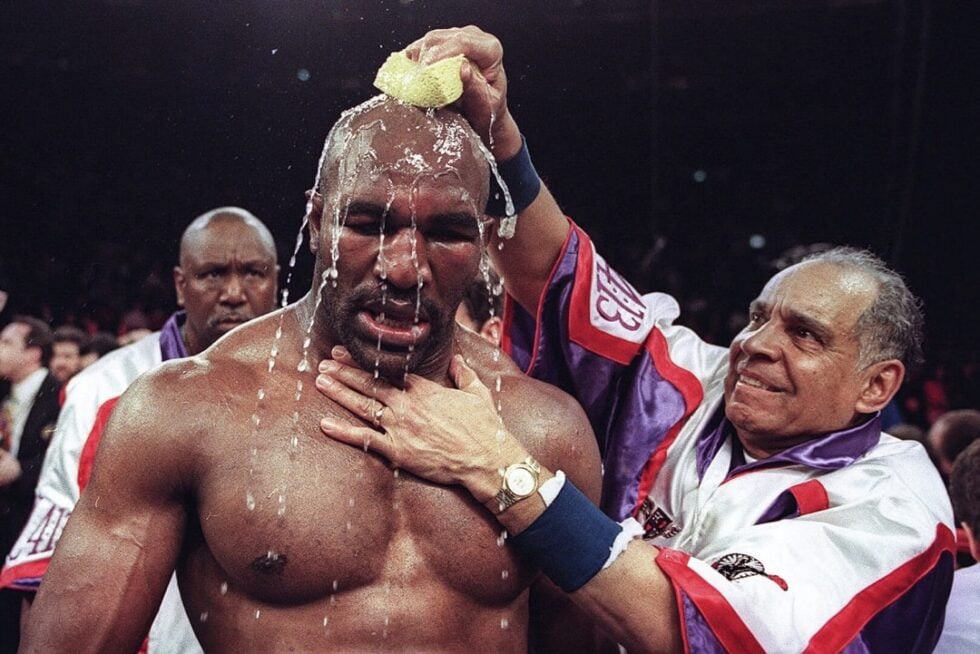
pixel 570 541
pixel 522 182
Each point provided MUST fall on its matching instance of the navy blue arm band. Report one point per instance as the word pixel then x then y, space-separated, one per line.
pixel 570 541
pixel 522 182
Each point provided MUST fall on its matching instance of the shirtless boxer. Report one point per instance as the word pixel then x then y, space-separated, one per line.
pixel 283 539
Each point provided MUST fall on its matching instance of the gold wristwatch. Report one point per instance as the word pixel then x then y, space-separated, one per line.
pixel 518 480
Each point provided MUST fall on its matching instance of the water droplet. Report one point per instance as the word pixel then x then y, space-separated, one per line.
pixel 325 620
pixel 250 501
pixel 336 584
pixel 258 612
pixel 504 574
pixel 294 441
pixel 282 506
pixel 508 226
pixel 498 383
pixel 261 394
pixel 350 502
pixel 303 366
pixel 504 623
pixel 224 588
pixel 204 616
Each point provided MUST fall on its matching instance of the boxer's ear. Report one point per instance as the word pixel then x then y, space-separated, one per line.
pixel 314 214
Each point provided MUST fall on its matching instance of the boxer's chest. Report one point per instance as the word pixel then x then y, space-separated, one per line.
pixel 291 516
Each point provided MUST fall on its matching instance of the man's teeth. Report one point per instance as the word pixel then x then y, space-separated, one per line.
pixel 755 383
pixel 382 319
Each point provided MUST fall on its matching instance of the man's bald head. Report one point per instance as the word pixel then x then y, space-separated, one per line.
pixel 228 274
pixel 351 146
pixel 198 227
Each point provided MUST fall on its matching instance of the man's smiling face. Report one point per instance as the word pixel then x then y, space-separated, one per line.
pixel 794 371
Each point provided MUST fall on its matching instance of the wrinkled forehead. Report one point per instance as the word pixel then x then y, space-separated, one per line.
pixel 822 289
pixel 406 146
pixel 224 240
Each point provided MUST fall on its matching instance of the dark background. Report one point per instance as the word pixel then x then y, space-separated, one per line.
pixel 672 130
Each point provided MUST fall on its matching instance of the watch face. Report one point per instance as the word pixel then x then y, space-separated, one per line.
pixel 520 481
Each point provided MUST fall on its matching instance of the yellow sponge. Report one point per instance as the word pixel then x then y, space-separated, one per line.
pixel 435 85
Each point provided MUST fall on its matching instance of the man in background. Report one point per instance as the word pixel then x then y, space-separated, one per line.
pixel 27 417
pixel 227 275
pixel 97 346
pixel 66 352
pixel 961 631
pixel 950 435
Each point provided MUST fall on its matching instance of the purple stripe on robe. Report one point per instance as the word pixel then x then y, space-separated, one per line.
pixel 831 452
pixel 914 622
pixel 171 340
pixel 631 408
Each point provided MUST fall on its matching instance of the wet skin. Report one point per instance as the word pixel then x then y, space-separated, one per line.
pixel 338 551
pixel 409 241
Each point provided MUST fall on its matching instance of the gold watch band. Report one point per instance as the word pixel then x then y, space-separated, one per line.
pixel 517 482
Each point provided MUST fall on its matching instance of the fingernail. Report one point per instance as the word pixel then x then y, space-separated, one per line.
pixel 327 423
pixel 323 381
pixel 325 365
pixel 338 351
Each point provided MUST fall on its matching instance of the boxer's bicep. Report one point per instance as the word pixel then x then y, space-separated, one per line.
pixel 117 552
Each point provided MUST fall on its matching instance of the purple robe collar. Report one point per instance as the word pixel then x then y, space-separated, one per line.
pixel 831 451
pixel 171 339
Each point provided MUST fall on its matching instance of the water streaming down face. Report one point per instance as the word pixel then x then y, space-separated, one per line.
pixel 351 162
pixel 408 180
